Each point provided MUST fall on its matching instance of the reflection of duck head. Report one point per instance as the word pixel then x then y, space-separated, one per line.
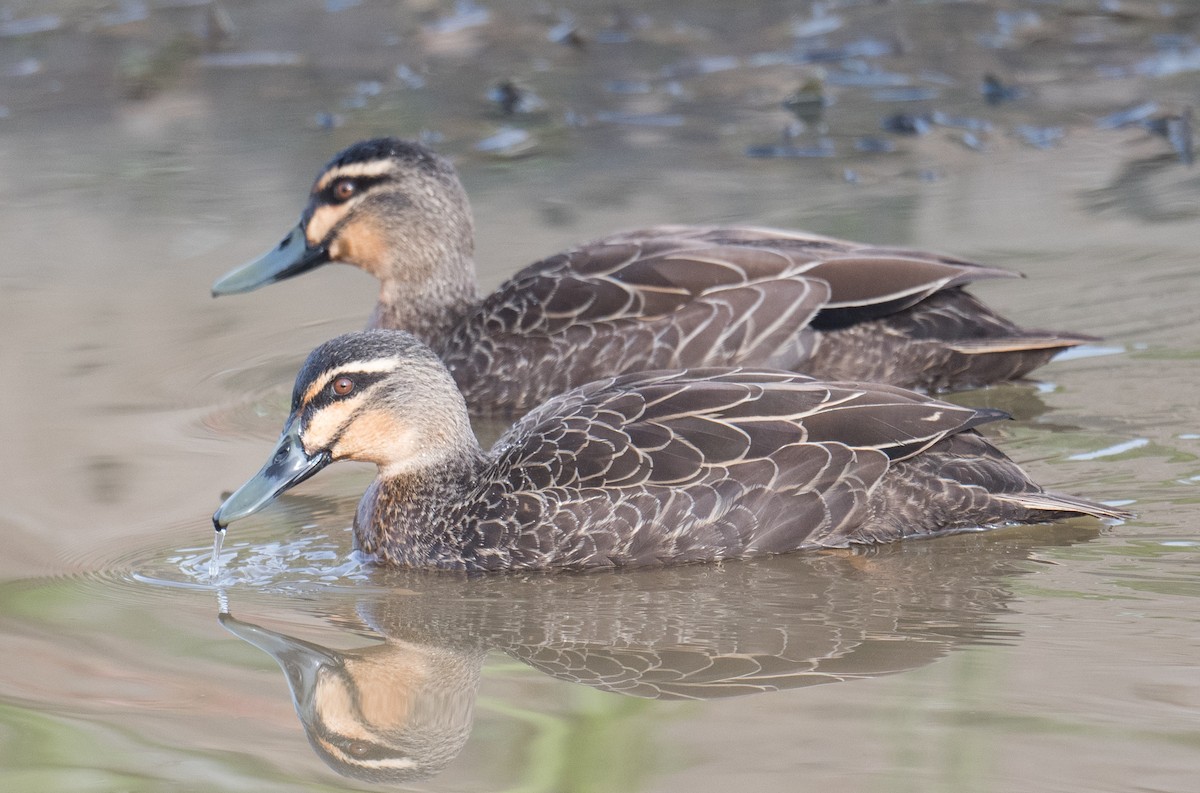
pixel 386 713
pixel 403 709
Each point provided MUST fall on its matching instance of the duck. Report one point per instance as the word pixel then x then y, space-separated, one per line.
pixel 665 297
pixel 638 469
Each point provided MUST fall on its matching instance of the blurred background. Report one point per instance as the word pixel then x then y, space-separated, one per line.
pixel 148 147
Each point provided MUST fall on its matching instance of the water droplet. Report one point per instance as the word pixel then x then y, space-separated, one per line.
pixel 214 564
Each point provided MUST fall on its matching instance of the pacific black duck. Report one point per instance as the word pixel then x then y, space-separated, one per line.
pixel 639 469
pixel 669 297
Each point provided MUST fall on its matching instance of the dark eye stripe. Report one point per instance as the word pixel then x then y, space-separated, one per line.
pixel 362 184
pixel 326 397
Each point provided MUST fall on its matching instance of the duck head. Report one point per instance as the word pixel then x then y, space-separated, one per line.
pixel 390 207
pixel 376 396
pixel 393 712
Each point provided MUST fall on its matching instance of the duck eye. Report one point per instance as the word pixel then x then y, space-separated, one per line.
pixel 344 189
pixel 342 386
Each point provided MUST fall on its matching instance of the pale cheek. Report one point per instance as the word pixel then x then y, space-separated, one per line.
pixel 377 439
pixel 337 706
pixel 322 428
pixel 387 693
pixel 361 244
pixel 321 223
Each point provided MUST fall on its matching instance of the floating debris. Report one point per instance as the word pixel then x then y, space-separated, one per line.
pixel 334 6
pixel 613 36
pixel 968 123
pixel 824 148
pixel 572 118
pixel 873 145
pixel 128 11
pixel 995 92
pixel 328 121
pixel 408 77
pixel 1010 24
pixel 218 25
pixel 1169 63
pixel 640 119
pixel 250 60
pixel 718 64
pixel 972 141
pixel 692 67
pixel 761 59
pixel 430 138
pixel 866 78
pixel 466 15
pixel 908 94
pixel 906 124
pixel 30 25
pixel 506 142
pixel 1173 41
pixel 936 78
pixel 1112 451
pixel 26 67
pixel 627 87
pixel 1177 129
pixel 364 92
pixel 794 129
pixel 818 24
pixel 861 48
pixel 1041 137
pixel 567 33
pixel 513 100
pixel 808 101
pixel 368 88
pixel 175 4
pixel 1128 117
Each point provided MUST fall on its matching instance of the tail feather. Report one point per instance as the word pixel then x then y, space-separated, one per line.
pixel 986 346
pixel 1057 502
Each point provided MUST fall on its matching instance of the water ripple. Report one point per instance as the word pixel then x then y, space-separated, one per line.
pixel 278 565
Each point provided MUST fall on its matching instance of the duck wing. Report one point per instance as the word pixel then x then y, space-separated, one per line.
pixel 865 281
pixel 678 297
pixel 689 301
pixel 696 465
pixel 900 316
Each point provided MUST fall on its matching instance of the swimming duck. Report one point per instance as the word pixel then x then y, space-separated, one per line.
pixel 669 297
pixel 638 469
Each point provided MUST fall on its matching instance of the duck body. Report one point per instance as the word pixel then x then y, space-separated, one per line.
pixel 654 298
pixel 642 469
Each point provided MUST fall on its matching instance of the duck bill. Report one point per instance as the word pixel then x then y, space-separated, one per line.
pixel 289 466
pixel 291 257
pixel 292 655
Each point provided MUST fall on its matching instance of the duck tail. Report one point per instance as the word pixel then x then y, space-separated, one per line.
pixel 1059 503
pixel 1031 341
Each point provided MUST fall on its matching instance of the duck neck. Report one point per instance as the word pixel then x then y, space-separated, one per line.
pixel 408 517
pixel 429 287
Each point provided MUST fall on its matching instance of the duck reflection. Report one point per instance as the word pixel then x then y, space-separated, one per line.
pixel 403 709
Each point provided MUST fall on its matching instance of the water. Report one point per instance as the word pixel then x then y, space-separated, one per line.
pixel 214 564
pixel 145 151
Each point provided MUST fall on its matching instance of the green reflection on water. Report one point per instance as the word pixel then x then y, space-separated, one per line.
pixel 573 752
pixel 51 753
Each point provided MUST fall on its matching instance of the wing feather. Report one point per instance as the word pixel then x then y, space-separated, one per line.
pixel 714 417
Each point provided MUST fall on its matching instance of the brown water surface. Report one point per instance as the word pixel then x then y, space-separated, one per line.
pixel 146 148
